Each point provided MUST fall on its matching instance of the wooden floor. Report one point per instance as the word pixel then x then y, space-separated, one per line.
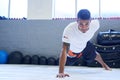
pixel 38 72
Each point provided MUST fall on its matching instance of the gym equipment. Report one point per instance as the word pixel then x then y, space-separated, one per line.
pixel 110 37
pixel 107 49
pixel 43 60
pixel 110 56
pixel 51 61
pixel 113 63
pixel 15 57
pixel 3 57
pixel 27 59
pixel 35 59
pixel 94 64
pixel 57 61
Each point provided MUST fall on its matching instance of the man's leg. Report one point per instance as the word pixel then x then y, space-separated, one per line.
pixel 100 60
pixel 71 61
pixel 90 54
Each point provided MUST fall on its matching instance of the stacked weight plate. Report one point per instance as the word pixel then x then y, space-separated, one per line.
pixel 108 45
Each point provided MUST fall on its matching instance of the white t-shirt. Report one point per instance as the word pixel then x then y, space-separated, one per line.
pixel 76 38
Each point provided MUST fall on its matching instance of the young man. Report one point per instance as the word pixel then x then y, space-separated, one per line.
pixel 76 42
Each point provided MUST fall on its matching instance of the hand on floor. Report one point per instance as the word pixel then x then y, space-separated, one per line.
pixel 62 75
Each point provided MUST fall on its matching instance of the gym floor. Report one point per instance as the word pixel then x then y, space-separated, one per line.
pixel 40 72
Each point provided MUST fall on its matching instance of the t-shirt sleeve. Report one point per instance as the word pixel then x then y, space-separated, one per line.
pixel 66 35
pixel 95 25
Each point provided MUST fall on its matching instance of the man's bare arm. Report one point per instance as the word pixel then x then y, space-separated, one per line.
pixel 62 61
pixel 63 56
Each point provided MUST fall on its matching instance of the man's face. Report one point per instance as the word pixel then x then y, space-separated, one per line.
pixel 83 25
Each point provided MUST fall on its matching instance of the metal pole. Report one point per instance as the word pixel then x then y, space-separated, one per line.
pixel 99 8
pixel 9 8
pixel 75 8
pixel 53 9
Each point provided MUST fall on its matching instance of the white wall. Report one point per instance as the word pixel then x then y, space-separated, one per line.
pixel 39 9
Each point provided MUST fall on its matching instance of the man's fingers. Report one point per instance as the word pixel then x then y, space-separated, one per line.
pixel 67 75
pixel 62 76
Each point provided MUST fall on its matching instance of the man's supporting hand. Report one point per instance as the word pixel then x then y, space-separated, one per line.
pixel 62 75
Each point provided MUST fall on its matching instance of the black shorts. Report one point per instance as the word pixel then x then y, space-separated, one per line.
pixel 88 55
